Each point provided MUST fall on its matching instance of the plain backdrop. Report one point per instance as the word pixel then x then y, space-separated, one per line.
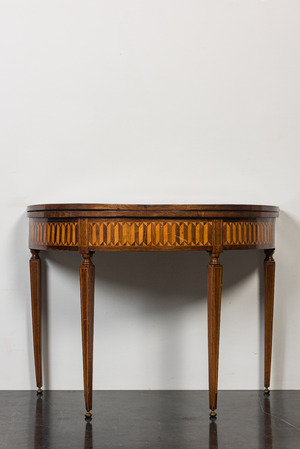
pixel 131 101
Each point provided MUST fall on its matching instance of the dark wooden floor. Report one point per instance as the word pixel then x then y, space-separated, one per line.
pixel 149 419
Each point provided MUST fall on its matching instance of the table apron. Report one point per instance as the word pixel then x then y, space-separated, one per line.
pixel 97 234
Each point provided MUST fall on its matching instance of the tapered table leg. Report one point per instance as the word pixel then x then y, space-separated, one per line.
pixel 87 281
pixel 214 288
pixel 35 284
pixel 269 307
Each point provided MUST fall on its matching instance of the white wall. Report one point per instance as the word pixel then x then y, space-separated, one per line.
pixel 149 102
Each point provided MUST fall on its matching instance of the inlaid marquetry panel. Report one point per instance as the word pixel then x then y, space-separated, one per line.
pixel 43 233
pixel 245 233
pixel 152 233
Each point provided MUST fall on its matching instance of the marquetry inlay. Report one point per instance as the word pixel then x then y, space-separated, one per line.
pixel 152 233
pixel 243 233
pixel 53 234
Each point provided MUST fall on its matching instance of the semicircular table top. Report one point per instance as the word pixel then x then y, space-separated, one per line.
pixel 87 228
pixel 102 227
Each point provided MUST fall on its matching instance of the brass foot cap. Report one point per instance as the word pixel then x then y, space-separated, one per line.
pixel 88 415
pixel 212 414
pixel 267 391
pixel 39 391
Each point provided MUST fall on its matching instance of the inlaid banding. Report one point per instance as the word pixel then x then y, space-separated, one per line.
pixel 58 234
pixel 154 233
pixel 248 233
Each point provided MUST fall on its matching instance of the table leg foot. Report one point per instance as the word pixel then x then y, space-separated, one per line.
pixel 88 416
pixel 213 414
pixel 266 392
pixel 39 391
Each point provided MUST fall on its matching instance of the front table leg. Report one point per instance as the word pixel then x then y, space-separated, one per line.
pixel 214 288
pixel 269 307
pixel 35 286
pixel 87 282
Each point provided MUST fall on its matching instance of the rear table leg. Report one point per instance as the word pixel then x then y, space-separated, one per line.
pixel 269 308
pixel 35 284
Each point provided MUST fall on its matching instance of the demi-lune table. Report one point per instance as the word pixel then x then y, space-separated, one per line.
pixel 87 228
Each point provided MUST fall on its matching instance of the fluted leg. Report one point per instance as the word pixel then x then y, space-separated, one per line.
pixel 214 288
pixel 269 307
pixel 35 284
pixel 87 281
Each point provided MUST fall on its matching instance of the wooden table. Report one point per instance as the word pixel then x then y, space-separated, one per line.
pixel 110 227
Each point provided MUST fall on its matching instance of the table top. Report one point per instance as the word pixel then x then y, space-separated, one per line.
pixel 152 210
